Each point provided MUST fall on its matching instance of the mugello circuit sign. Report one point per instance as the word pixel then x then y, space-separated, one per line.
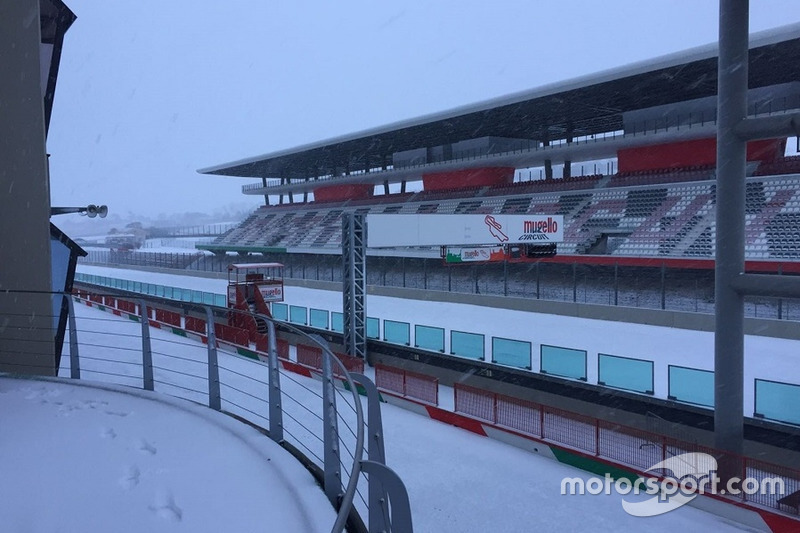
pixel 271 293
pixel 439 230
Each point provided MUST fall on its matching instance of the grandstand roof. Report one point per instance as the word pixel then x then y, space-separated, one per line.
pixel 583 106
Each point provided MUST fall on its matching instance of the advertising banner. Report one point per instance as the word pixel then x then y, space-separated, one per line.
pixel 470 255
pixel 271 293
pixel 392 230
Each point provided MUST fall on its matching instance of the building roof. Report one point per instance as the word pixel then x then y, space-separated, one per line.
pixel 75 248
pixel 584 106
pixel 55 18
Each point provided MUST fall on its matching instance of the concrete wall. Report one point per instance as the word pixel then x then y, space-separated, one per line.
pixel 27 337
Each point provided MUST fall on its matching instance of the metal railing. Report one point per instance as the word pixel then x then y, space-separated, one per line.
pixel 321 423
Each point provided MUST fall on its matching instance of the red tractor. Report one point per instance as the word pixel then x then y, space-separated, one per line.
pixel 251 288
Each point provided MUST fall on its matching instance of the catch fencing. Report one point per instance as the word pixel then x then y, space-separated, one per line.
pixel 620 444
pixel 407 384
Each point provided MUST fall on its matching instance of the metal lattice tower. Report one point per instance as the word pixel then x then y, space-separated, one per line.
pixel 354 279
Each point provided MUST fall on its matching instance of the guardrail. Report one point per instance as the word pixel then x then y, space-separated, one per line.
pixel 151 346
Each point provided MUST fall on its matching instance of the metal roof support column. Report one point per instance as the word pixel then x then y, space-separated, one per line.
pixel 548 163
pixel 354 276
pixel 266 196
pixel 729 304
pixel 568 163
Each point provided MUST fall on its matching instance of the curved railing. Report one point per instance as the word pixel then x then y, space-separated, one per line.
pixel 152 343
pixel 328 361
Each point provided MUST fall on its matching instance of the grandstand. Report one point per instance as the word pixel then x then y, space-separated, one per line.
pixel 655 122
pixel 657 220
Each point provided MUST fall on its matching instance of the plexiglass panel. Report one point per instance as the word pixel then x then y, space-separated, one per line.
pixel 512 353
pixel 564 362
pixel 691 385
pixel 280 311
pixel 319 318
pixel 373 328
pixel 466 344
pixel 429 338
pixel 397 332
pixel 298 315
pixel 778 401
pixel 337 322
pixel 625 373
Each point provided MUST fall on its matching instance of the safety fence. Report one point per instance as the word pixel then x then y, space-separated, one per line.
pixel 311 356
pixel 194 354
pixel 407 384
pixel 621 444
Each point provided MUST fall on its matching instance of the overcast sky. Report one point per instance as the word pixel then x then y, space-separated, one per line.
pixel 150 91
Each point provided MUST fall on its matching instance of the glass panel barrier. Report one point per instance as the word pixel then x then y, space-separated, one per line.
pixel 691 385
pixel 625 373
pixel 280 311
pixel 319 318
pixel 164 291
pixel 466 344
pixel 373 328
pixel 512 353
pixel 777 401
pixel 397 332
pixel 429 338
pixel 564 362
pixel 337 322
pixel 298 315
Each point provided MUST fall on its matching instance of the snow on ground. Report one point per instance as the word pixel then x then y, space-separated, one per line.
pixel 87 458
pixel 457 481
